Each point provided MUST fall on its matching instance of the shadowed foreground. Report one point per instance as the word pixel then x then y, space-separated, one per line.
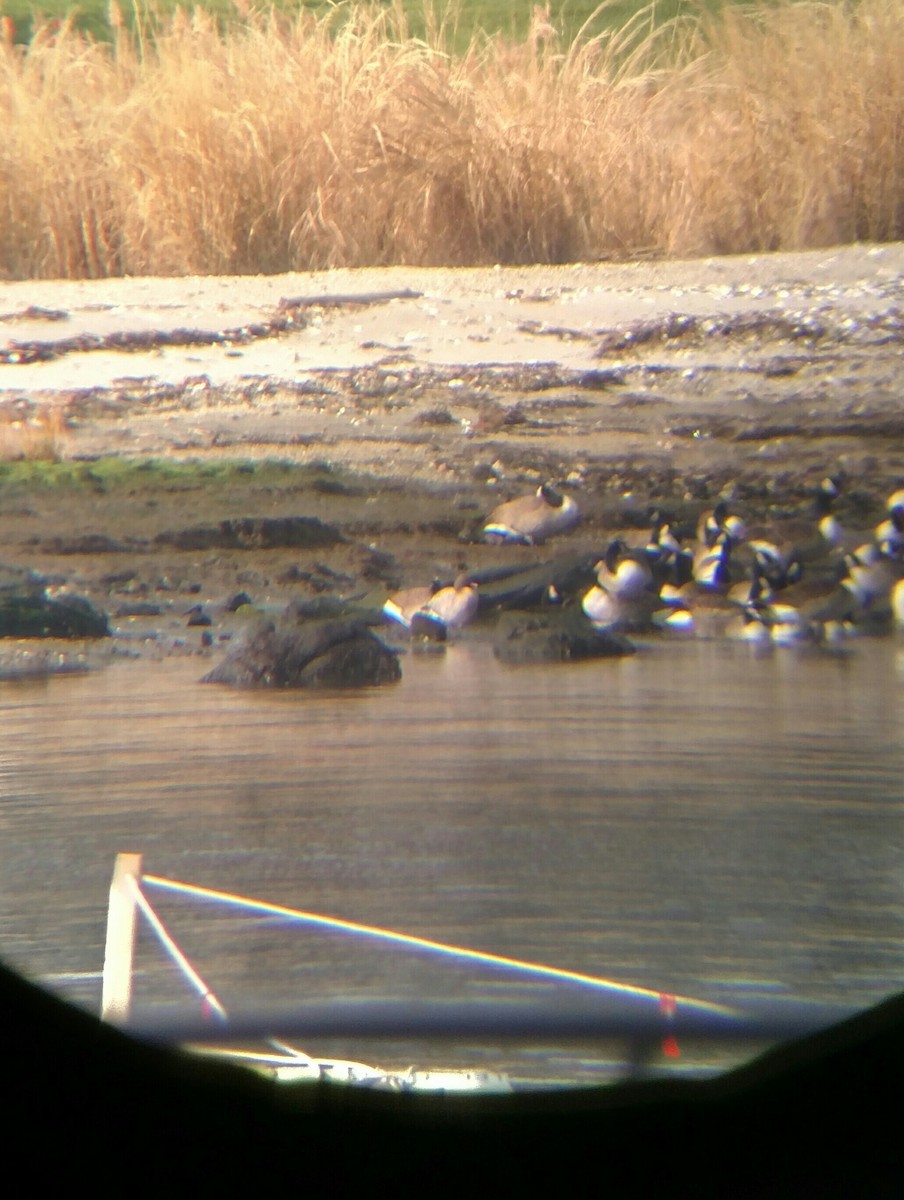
pixel 818 1117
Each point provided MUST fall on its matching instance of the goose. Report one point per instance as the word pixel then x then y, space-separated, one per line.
pixel 787 625
pixel 840 607
pixel 624 572
pixel 675 618
pixel 605 610
pixel 778 566
pixel 864 596
pixel 601 607
pixel 891 530
pixel 401 606
pixel 672 564
pixel 873 570
pixel 895 500
pixel 763 619
pixel 797 539
pixel 530 520
pixel 447 609
pixel 752 590
pixel 749 625
pixel 740 612
pixel 897 604
pixel 712 565
pixel 712 525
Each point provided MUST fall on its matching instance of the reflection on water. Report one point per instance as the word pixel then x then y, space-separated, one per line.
pixel 693 820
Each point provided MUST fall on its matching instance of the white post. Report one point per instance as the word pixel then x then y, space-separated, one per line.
pixel 116 996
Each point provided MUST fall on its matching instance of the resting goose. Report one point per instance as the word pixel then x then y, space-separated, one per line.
pixel 639 614
pixel 529 520
pixel 447 609
pixel 624 572
pixel 401 606
pixel 787 625
pixel 873 571
pixel 799 539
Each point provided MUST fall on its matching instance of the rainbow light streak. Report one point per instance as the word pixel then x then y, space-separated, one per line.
pixel 438 948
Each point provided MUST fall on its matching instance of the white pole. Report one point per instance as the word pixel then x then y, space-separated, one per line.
pixel 116 995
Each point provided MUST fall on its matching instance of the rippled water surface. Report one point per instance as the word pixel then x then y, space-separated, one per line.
pixel 694 819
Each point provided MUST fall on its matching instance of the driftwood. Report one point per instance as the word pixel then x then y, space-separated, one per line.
pixel 348 298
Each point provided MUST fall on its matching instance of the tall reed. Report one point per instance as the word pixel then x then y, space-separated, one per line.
pixel 342 140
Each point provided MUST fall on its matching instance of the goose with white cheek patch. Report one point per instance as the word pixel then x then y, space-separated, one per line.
pixel 624 572
pixel 448 609
pixel 625 596
pixel 712 525
pixel 530 520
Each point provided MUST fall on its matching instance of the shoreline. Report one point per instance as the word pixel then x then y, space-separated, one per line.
pixel 402 422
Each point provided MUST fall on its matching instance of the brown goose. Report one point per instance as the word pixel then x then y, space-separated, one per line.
pixel 449 608
pixel 401 606
pixel 529 520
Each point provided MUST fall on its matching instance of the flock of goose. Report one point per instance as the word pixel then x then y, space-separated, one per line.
pixel 807 579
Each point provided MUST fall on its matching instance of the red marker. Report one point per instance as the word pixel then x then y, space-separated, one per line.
pixel 668 1006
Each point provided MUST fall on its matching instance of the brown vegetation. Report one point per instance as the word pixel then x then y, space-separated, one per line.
pixel 40 436
pixel 344 141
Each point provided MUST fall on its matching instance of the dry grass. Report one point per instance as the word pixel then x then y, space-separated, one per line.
pixel 344 141
pixel 40 436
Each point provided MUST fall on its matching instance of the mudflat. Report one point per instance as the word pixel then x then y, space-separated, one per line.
pixel 191 416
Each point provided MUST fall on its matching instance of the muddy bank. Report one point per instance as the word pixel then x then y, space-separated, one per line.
pixel 397 408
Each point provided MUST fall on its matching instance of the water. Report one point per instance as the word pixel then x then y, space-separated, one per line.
pixel 694 819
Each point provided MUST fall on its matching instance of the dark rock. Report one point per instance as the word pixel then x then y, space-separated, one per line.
pixel 319 608
pixel 549 637
pixel 89 543
pixel 289 652
pixel 335 487
pixel 436 416
pixel 35 615
pixel 239 600
pixel 253 533
pixel 321 579
pixel 377 564
pixel 139 608
pixel 198 616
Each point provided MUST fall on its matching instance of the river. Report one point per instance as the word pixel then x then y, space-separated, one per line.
pixel 696 819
